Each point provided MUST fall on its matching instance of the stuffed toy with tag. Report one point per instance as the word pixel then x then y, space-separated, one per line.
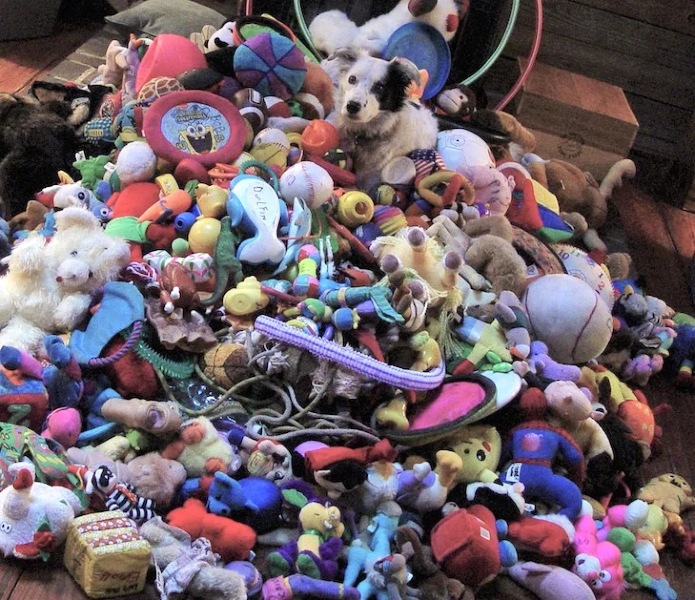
pixel 34 517
pixel 333 29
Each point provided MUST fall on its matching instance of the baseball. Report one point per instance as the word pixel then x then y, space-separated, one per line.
pixel 308 181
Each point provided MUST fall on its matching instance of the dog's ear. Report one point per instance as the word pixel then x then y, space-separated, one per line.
pixel 409 70
pixel 343 59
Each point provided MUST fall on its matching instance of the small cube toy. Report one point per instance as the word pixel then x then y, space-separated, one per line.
pixel 106 555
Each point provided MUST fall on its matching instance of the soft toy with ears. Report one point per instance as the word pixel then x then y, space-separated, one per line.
pixel 578 191
pixel 48 286
pixel 333 29
pixel 672 493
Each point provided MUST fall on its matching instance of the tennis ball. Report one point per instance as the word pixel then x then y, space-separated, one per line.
pixel 569 317
pixel 270 154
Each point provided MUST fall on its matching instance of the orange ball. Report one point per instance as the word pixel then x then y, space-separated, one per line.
pixel 320 137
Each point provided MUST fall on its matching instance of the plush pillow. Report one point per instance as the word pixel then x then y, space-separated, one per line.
pixel 153 17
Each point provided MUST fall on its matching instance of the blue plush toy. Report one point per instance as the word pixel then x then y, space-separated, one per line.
pixel 534 446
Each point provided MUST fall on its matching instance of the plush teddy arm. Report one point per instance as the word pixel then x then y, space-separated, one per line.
pixel 71 310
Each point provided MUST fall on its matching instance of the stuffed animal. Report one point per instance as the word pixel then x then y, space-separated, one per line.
pixel 48 286
pixel 173 550
pixel 597 563
pixel 479 447
pixel 431 580
pixel 150 475
pixel 199 449
pixel 34 517
pixel 332 30
pixel 511 316
pixel 315 551
pixel 154 417
pixel 672 493
pixel 229 539
pixel 118 496
pixel 424 489
pixel 543 365
pixel 578 191
pixel 533 447
pixel 549 582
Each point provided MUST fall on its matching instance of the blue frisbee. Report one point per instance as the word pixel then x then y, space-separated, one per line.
pixel 426 47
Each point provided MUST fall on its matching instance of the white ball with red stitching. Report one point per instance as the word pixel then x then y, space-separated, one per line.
pixel 308 181
pixel 569 317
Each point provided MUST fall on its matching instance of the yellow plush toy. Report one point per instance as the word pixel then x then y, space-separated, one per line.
pixel 479 447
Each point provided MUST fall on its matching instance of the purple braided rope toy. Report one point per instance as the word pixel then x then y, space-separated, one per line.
pixel 405 379
pixel 122 351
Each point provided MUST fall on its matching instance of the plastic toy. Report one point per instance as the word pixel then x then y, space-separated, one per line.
pixel 254 206
pixel 153 417
pixel 568 316
pixel 197 125
pixel 246 298
pixel 211 200
pixel 202 237
pixel 35 517
pixel 173 551
pixel 320 137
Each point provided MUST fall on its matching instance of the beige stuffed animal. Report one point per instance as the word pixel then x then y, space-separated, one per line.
pixel 48 284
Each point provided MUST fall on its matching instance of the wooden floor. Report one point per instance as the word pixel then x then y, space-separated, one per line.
pixel 661 240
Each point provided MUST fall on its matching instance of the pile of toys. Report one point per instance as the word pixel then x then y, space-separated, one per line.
pixel 219 357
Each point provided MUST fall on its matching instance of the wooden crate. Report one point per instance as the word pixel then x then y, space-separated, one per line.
pixel 581 120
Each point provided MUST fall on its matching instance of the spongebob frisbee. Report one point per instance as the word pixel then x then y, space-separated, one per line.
pixel 195 124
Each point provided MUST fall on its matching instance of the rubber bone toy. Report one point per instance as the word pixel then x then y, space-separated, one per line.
pixel 254 206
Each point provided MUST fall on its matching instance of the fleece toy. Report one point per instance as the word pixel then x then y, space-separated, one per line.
pixel 35 517
pixel 597 563
pixel 333 29
pixel 549 582
pixel 48 285
pixel 189 565
pixel 118 496
pixel 229 539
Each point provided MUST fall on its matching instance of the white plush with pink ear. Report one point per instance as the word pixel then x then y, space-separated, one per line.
pixel 333 29
pixel 48 286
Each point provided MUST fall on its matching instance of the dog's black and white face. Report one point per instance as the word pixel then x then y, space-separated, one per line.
pixel 371 86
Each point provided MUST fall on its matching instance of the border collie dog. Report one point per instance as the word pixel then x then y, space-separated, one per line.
pixel 377 121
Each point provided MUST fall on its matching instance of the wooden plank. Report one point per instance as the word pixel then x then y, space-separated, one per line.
pixel 659 120
pixel 681 228
pixel 10 572
pixel 607 30
pixel 674 16
pixel 634 75
pixel 652 248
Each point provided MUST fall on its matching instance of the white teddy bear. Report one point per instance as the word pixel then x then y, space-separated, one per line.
pixel 48 286
pixel 333 30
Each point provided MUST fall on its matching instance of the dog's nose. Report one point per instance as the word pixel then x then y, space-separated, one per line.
pixel 353 107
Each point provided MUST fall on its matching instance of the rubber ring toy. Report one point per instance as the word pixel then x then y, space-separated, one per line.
pixel 455 183
pixel 196 125
pixel 355 208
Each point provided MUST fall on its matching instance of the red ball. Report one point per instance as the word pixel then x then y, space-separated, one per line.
pixel 320 137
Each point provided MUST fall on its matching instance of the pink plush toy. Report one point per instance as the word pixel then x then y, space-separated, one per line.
pixel 632 516
pixel 597 563
pixel 64 426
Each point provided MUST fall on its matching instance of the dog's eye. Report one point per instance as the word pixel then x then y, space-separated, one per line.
pixel 379 88
pixel 73 253
pixel 352 80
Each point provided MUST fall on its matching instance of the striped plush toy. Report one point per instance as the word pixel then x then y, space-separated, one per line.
pixel 119 496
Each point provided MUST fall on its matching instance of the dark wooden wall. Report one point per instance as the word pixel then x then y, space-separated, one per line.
pixel 646 47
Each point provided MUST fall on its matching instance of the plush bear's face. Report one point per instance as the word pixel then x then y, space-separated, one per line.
pixel 677 481
pixel 479 448
pixel 83 257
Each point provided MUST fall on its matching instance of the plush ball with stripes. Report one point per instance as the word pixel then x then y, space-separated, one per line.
pixel 271 64
pixel 569 317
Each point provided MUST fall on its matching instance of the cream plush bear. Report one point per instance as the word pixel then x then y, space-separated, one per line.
pixel 48 285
